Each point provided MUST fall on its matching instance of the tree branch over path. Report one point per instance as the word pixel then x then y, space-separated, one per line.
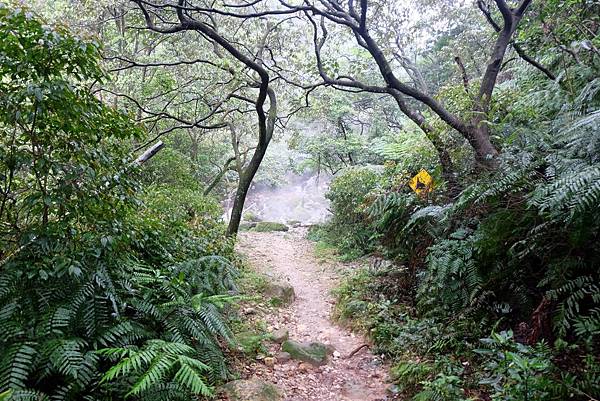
pixel 474 127
pixel 163 114
pixel 265 119
pixel 133 63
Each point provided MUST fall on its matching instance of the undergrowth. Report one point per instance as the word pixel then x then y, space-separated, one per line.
pixel 114 284
pixel 493 294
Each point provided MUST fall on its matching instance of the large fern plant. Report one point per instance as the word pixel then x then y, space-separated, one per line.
pixel 529 237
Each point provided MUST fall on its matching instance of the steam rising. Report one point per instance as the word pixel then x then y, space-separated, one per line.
pixel 301 199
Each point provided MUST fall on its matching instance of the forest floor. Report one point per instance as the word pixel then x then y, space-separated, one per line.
pixel 348 375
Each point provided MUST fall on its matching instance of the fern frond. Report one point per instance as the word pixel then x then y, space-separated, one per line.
pixel 157 362
pixel 188 377
pixel 28 395
pixel 17 363
pixel 67 357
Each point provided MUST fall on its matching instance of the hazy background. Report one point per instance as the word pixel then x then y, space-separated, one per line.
pixel 300 198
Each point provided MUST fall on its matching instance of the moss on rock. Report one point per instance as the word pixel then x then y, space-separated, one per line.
pixel 313 353
pixel 251 390
pixel 267 226
pixel 280 294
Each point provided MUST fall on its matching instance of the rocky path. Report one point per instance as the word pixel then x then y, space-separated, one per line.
pixel 289 257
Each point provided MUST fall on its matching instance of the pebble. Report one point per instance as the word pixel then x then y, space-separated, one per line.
pixel 304 367
pixel 393 389
pixel 283 357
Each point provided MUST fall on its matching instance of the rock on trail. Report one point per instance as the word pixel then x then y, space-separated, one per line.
pixel 289 258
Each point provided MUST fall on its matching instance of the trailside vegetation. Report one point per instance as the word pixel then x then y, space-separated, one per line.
pixel 110 287
pixel 493 293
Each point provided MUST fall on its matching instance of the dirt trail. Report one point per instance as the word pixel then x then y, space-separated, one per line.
pixel 289 256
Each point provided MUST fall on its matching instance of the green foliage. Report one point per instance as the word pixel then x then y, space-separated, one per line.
pixel 268 226
pixel 334 141
pixel 156 360
pixel 560 29
pixel 332 152
pixel 516 371
pixel 108 290
pixel 113 280
pixel 251 217
pixel 349 194
pixel 516 250
pixel 443 388
pixel 324 251
pixel 176 210
pixel 410 148
pixel 252 342
pixel 409 374
pixel 349 190
pixel 173 169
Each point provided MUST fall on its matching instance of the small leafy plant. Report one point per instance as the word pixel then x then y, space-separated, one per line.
pixel 515 371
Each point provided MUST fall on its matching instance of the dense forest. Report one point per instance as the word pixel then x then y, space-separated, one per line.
pixel 133 134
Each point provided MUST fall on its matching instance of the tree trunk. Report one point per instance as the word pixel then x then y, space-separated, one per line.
pixel 478 136
pixel 448 173
pixel 478 132
pixel 238 206
pixel 244 183
pixel 266 128
pixel 266 121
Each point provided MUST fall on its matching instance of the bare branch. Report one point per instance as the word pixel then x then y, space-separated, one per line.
pixel 148 154
pixel 133 63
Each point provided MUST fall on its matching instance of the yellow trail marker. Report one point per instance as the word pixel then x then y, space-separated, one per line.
pixel 422 182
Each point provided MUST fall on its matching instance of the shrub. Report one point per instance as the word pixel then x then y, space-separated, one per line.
pixel 349 195
pixel 515 251
pixel 516 371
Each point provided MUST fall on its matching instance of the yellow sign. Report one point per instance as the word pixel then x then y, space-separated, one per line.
pixel 422 182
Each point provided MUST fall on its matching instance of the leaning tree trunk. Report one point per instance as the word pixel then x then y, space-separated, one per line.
pixel 219 176
pixel 246 177
pixel 478 132
pixel 266 128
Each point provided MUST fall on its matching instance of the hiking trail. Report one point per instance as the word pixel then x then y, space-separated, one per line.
pixel 352 372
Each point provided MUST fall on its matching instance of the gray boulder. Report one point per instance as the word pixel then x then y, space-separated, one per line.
pixel 314 353
pixel 279 336
pixel 251 390
pixel 280 293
